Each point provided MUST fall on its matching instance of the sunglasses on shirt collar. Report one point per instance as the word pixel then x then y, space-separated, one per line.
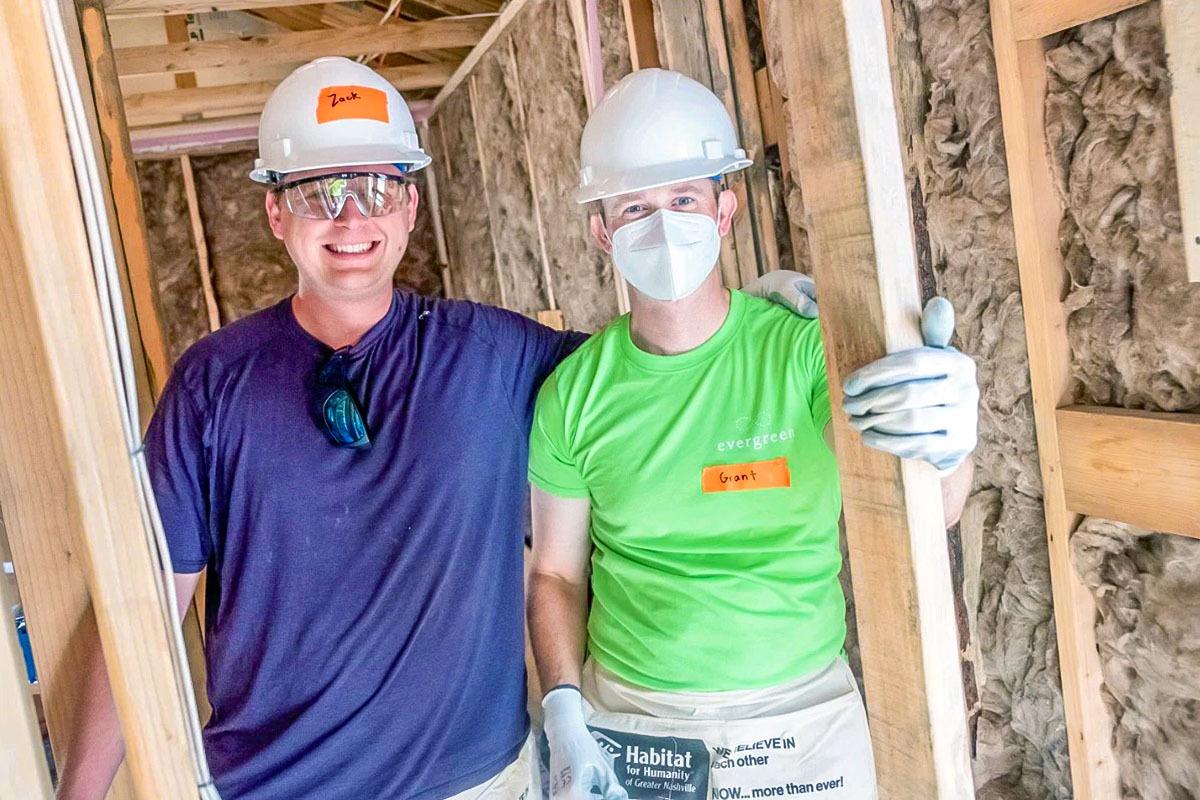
pixel 340 412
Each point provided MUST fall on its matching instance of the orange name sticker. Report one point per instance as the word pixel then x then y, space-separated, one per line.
pixel 773 474
pixel 351 102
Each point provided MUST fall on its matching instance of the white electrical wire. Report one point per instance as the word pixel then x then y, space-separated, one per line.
pixel 112 309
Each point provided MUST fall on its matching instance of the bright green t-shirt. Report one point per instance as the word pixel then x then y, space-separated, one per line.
pixel 714 498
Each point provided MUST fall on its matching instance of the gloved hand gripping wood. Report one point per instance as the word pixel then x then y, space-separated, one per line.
pixel 920 403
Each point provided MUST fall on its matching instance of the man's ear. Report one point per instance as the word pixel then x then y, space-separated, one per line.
pixel 600 231
pixel 274 215
pixel 727 204
pixel 414 202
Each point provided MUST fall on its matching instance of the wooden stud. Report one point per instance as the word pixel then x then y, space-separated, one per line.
pixel 149 107
pixel 1181 29
pixel 434 198
pixel 1035 19
pixel 742 239
pixel 127 199
pixel 591 92
pixel 23 768
pixel 1037 212
pixel 65 474
pixel 766 107
pixel 749 122
pixel 796 234
pixel 283 48
pixel 177 31
pixel 843 132
pixel 193 204
pixel 473 97
pixel 515 76
pixel 507 17
pixel 149 8
pixel 1139 467
pixel 552 318
pixel 582 49
pixel 639 27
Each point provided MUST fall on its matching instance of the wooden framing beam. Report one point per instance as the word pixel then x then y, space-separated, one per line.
pixel 1181 28
pixel 1140 467
pixel 65 474
pixel 146 8
pixel 749 122
pixel 206 284
pixel 150 107
pixel 473 98
pixel 486 42
pixel 518 96
pixel 840 124
pixel 283 48
pixel 639 28
pixel 588 77
pixel 1036 19
pixel 177 31
pixel 1037 212
pixel 126 194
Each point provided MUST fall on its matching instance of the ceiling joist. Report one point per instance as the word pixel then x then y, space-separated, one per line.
pixel 302 46
pixel 147 8
pixel 150 107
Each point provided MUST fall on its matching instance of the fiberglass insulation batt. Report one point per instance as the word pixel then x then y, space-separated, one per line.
pixel 1134 328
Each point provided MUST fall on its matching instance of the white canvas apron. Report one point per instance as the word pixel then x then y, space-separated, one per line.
pixel 804 739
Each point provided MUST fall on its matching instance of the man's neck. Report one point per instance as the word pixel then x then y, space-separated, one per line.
pixel 339 323
pixel 674 327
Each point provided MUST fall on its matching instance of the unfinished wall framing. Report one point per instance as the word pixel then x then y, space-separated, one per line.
pixel 1101 163
pixel 1063 147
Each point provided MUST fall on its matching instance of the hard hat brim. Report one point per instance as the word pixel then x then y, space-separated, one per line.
pixel 637 180
pixel 335 157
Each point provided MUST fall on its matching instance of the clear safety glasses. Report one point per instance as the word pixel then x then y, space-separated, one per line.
pixel 324 197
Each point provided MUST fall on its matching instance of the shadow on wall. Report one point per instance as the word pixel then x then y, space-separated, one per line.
pixel 250 268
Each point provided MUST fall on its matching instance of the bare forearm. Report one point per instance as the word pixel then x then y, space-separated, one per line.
pixel 955 488
pixel 557 628
pixel 96 747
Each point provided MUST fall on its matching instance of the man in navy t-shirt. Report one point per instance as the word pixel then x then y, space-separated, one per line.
pixel 349 466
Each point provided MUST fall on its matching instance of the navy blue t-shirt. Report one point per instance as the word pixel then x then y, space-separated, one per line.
pixel 364 613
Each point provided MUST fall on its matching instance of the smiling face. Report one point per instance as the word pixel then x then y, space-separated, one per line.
pixel 701 196
pixel 350 257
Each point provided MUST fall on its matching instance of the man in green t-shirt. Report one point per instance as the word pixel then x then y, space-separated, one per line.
pixel 683 453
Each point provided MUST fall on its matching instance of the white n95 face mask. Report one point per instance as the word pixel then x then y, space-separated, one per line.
pixel 668 254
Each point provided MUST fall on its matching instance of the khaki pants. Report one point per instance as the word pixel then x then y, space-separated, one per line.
pixel 511 783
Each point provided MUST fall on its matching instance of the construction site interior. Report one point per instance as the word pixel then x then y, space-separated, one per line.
pixel 1050 157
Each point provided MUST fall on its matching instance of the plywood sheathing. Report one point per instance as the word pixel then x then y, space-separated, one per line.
pixel 555 113
pixel 1133 326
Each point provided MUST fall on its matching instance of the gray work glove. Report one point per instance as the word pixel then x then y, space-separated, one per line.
pixel 578 768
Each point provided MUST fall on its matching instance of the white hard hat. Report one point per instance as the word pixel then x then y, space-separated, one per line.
pixel 655 128
pixel 334 112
